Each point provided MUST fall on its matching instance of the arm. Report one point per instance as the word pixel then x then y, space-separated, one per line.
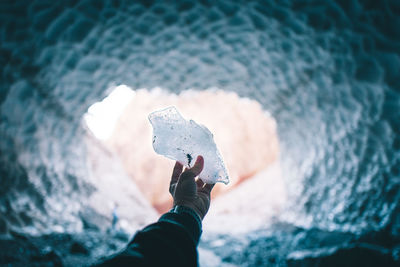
pixel 172 241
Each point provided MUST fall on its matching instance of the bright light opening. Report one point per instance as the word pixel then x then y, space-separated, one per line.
pixel 102 116
pixel 244 133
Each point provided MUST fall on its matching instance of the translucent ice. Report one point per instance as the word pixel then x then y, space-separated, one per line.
pixel 183 140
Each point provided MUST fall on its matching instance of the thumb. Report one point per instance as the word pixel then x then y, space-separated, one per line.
pixel 191 173
pixel 198 166
pixel 187 186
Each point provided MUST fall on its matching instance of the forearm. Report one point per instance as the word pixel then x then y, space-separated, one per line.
pixel 172 241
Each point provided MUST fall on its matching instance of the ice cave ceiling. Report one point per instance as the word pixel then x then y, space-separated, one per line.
pixel 328 72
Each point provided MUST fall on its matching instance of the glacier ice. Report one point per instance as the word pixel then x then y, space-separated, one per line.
pixel 183 140
pixel 328 73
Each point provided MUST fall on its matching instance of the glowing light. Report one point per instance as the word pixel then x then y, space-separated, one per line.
pixel 245 134
pixel 102 117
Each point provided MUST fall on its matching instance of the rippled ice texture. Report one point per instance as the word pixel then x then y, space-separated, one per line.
pixel 328 71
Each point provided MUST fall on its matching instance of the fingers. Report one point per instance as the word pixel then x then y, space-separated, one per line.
pixel 175 176
pixel 207 188
pixel 195 170
pixel 172 189
pixel 176 172
pixel 198 166
pixel 199 183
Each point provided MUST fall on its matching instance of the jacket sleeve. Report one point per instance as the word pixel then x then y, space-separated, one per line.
pixel 172 241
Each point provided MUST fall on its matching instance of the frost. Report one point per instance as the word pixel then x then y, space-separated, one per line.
pixel 183 140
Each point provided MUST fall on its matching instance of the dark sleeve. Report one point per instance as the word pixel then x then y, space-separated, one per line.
pixel 172 241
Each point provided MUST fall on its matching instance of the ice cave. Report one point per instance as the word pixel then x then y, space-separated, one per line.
pixel 302 96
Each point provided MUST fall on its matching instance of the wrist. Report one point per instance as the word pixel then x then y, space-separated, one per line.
pixel 185 218
pixel 189 204
pixel 189 210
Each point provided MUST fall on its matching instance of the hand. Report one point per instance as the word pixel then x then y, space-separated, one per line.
pixel 187 191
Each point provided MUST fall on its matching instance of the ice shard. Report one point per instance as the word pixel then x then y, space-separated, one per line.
pixel 183 140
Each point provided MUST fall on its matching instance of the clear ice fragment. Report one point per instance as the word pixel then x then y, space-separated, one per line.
pixel 183 140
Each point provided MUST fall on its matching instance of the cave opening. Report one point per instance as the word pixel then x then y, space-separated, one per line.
pixel 327 72
pixel 245 134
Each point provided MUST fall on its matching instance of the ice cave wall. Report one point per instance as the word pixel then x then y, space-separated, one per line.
pixel 328 71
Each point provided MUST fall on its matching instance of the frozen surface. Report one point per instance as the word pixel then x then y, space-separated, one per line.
pixel 184 140
pixel 327 71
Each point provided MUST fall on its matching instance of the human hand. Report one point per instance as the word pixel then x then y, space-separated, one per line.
pixel 187 191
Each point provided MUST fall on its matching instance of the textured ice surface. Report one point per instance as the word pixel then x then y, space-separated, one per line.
pixel 328 71
pixel 183 140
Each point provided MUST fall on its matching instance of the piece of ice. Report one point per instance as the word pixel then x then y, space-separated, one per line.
pixel 183 140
